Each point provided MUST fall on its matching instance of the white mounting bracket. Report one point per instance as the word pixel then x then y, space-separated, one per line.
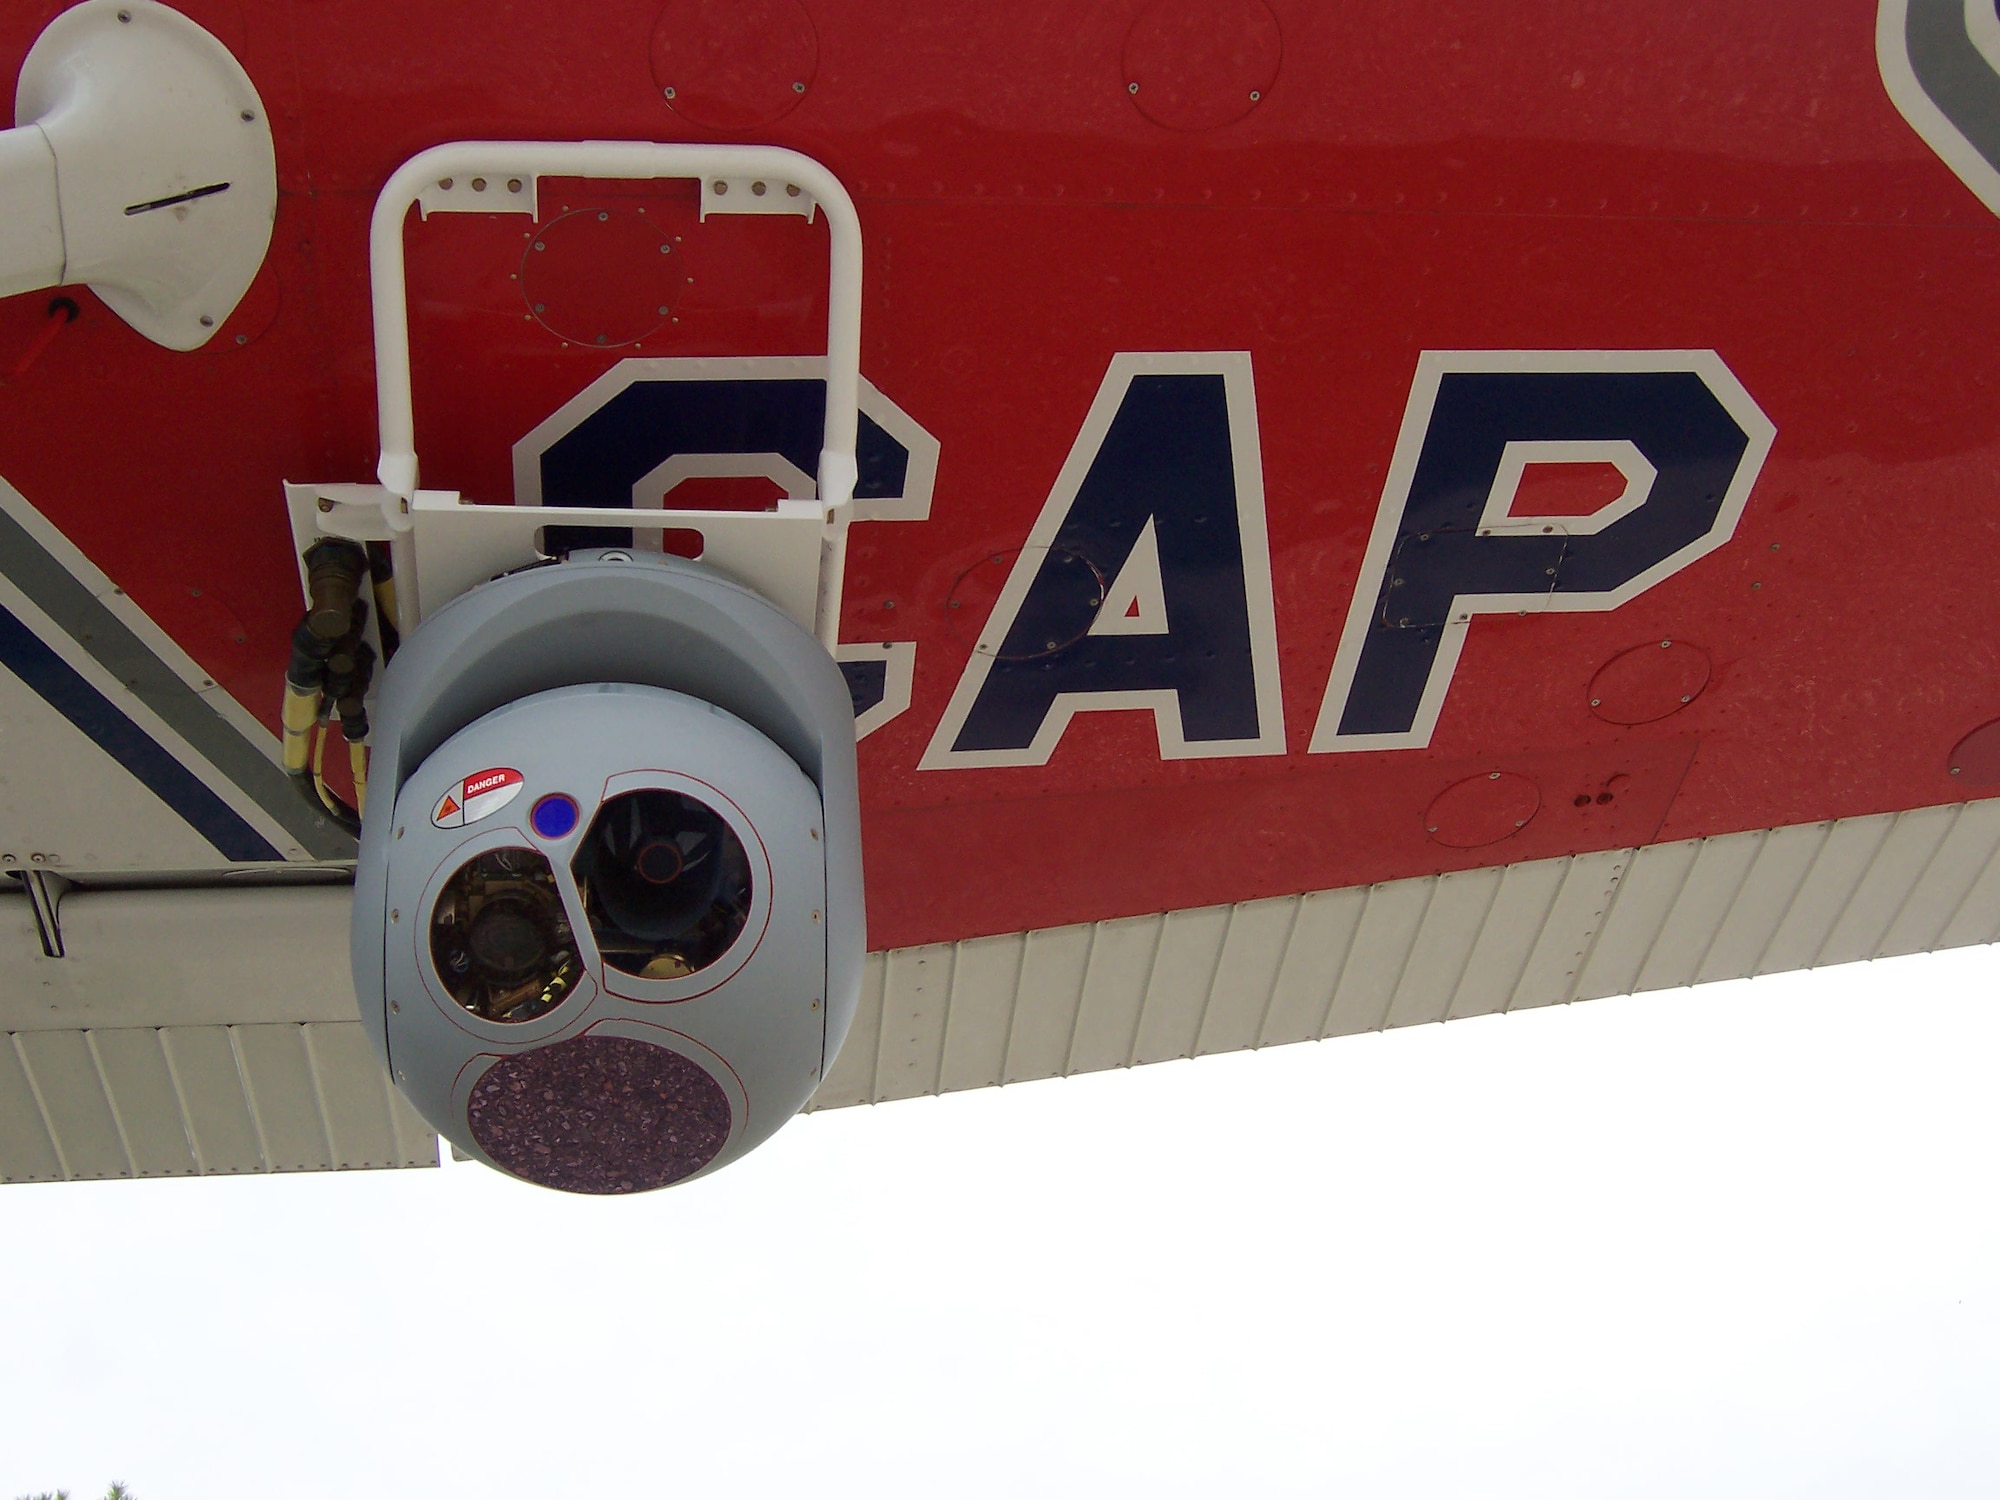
pixel 441 546
pixel 142 165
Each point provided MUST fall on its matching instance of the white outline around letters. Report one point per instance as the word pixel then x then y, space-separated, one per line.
pixel 1432 366
pixel 1164 703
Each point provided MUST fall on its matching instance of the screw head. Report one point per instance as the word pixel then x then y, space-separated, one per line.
pixel 1132 88
pixel 325 504
pixel 1255 95
pixel 668 91
pixel 207 321
pixel 798 88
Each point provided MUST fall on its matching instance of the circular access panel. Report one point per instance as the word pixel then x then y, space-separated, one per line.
pixel 1482 809
pixel 601 276
pixel 734 64
pixel 1649 682
pixel 1975 760
pixel 1199 64
pixel 1073 593
pixel 599 1115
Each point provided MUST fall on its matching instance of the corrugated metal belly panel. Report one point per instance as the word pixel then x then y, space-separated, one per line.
pixel 185 1101
pixel 1141 989
pixel 213 1031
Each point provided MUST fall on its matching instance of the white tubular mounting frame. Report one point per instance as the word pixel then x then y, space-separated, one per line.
pixel 421 181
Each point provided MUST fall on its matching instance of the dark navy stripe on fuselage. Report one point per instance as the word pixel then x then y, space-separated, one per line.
pixel 66 690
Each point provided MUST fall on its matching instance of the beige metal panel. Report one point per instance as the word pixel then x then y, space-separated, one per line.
pixel 1045 1004
pixel 186 957
pixel 1191 945
pixel 1322 933
pixel 210 1084
pixel 1582 900
pixel 1443 946
pixel 1507 937
pixel 1939 895
pixel 1114 993
pixel 1653 881
pixel 1247 975
pixel 1375 960
pixel 1823 896
pixel 1974 913
pixel 915 1006
pixel 1766 895
pixel 284 1097
pixel 359 1101
pixel 144 1099
pixel 64 1078
pixel 1720 867
pixel 988 974
pixel 851 1078
pixel 27 1150
pixel 1887 886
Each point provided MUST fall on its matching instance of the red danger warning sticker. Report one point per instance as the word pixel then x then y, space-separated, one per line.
pixel 478 796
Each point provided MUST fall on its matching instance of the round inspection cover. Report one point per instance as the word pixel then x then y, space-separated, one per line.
pixel 734 64
pixel 1975 760
pixel 601 276
pixel 1649 682
pixel 599 1115
pixel 1482 809
pixel 1200 64
pixel 1071 585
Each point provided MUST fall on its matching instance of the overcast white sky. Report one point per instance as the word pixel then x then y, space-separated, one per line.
pixel 1743 1240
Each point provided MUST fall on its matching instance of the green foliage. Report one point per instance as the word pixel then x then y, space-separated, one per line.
pixel 116 1492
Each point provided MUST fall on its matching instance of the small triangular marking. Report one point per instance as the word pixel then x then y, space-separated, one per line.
pixel 1136 602
pixel 447 808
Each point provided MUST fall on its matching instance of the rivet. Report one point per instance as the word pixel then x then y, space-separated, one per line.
pixel 719 187
pixel 242 338
pixel 757 189
pixel 513 184
pixel 1596 702
pixel 1520 822
pixel 541 307
pixel 668 91
pixel 207 321
pixel 1255 96
pixel 662 311
pixel 1492 775
pixel 124 18
pixel 1430 828
pixel 248 116
pixel 791 190
pixel 1954 771
pixel 399 833
pixel 325 504
pixel 1687 697
pixel 601 217
pixel 35 858
pixel 479 184
pixel 444 183
pixel 1131 88
pixel 1665 644
pixel 8 859
pixel 395 916
pixel 396 1007
pixel 1550 571
pixel 1756 585
pixel 666 249
pixel 815 1005
pixel 798 88
pixel 538 244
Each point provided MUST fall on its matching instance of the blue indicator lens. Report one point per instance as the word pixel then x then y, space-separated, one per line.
pixel 554 816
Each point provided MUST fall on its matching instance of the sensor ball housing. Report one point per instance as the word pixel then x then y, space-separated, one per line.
pixel 608 923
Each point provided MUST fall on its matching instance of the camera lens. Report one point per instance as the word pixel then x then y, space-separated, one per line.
pixel 665 883
pixel 500 938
